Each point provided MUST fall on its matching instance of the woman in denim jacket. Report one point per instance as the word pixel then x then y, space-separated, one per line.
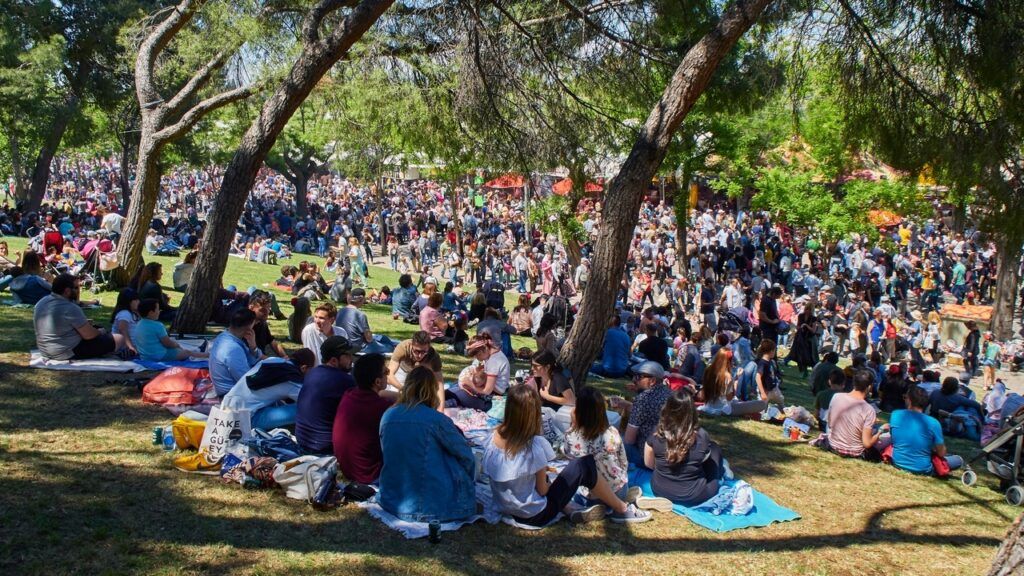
pixel 429 468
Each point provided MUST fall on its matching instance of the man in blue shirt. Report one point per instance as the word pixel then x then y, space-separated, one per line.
pixel 615 353
pixel 321 393
pixel 234 351
pixel 916 437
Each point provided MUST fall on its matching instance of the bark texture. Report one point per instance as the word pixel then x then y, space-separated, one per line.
pixel 1007 283
pixel 1009 560
pixel 625 193
pixel 162 122
pixel 317 57
pixel 41 171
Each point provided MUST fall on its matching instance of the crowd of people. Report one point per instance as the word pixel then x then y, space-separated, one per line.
pixel 698 326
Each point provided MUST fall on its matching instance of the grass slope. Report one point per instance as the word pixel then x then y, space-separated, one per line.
pixel 83 491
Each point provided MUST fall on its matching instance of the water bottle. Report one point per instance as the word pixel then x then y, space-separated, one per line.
pixel 163 436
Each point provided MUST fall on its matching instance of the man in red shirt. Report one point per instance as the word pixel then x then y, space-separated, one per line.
pixel 356 433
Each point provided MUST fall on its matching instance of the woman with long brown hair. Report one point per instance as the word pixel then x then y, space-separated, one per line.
pixel 516 460
pixel 687 464
pixel 718 389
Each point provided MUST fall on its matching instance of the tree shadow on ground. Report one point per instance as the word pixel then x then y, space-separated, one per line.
pixel 47 400
pixel 69 515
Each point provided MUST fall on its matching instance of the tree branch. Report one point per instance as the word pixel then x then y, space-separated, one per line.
pixel 311 25
pixel 197 112
pixel 592 9
pixel 198 81
pixel 154 44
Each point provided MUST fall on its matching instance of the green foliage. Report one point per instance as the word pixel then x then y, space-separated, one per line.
pixel 553 215
pixel 830 212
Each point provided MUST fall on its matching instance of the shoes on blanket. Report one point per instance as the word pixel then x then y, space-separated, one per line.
pixel 632 514
pixel 654 503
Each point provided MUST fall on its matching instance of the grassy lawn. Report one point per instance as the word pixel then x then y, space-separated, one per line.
pixel 83 491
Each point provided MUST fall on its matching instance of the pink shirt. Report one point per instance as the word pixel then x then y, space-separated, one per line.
pixel 847 419
pixel 428 322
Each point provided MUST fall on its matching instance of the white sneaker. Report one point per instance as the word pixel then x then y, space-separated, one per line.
pixel 726 470
pixel 631 515
pixel 588 514
pixel 654 503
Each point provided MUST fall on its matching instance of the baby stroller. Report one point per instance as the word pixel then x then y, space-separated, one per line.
pixel 1002 455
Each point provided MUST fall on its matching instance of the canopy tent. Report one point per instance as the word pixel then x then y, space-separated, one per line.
pixel 506 182
pixel 564 186
pixel 884 218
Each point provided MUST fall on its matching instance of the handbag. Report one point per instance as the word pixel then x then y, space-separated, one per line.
pixel 279 444
pixel 303 478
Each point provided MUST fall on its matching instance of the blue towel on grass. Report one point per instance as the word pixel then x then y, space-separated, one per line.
pixel 165 365
pixel 765 510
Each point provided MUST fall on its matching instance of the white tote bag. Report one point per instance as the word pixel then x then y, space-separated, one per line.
pixel 224 428
pixel 303 477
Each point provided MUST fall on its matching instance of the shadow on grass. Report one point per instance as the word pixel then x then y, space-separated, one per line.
pixel 61 512
pixel 45 400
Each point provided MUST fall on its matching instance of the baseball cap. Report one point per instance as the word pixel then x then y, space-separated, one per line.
pixel 335 346
pixel 650 368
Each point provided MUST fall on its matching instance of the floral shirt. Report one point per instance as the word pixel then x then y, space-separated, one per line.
pixel 609 454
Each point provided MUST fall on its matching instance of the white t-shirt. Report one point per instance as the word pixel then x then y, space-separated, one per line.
pixel 313 338
pixel 128 317
pixel 514 481
pixel 497 365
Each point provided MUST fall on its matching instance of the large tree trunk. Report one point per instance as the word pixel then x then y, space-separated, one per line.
pixel 317 57
pixel 1009 560
pixel 41 172
pixel 627 188
pixel 301 184
pixel 139 214
pixel 1007 283
pixel 16 168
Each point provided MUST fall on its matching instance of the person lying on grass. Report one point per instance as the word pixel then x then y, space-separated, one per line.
pixel 151 339
pixel 516 460
pixel 688 465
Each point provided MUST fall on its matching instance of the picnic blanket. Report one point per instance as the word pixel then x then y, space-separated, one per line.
pixel 764 512
pixel 112 364
pixel 37 360
pixel 413 530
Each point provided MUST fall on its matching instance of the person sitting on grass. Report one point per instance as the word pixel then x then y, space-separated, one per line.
pixel 356 432
pixel 124 318
pixel 488 375
pixel 516 460
pixel 403 298
pixel 718 390
pixel 851 422
pixel 964 416
pixel 614 361
pixel 269 390
pixel 645 410
pixel 353 321
pixel 836 384
pixel 62 330
pixel 322 390
pixel 260 303
pixel 321 328
pixel 233 352
pixel 590 433
pixel 409 354
pixel 688 465
pixel 429 469
pixel 151 339
pixel 917 438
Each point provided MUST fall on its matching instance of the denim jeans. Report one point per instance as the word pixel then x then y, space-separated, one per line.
pixel 522 281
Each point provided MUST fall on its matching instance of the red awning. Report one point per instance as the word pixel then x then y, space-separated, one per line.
pixel 508 181
pixel 564 186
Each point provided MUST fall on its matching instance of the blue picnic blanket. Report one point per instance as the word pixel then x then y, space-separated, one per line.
pixel 764 512
pixel 165 365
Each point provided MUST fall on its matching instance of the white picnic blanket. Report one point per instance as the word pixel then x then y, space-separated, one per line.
pixel 37 360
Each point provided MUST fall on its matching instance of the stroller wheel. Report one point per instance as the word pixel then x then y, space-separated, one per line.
pixel 1015 495
pixel 969 478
